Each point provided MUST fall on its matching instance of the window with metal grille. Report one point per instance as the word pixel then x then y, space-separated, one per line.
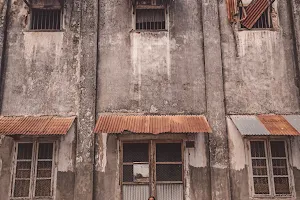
pixel 155 164
pixel 150 19
pixel 264 22
pixel 33 170
pixel 269 164
pixel 45 19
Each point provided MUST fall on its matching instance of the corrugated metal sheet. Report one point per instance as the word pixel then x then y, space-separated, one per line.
pixel 277 125
pixel 152 124
pixel 33 125
pixel 231 9
pixel 267 124
pixel 249 125
pixel 136 192
pixel 254 10
pixel 294 120
pixel 170 191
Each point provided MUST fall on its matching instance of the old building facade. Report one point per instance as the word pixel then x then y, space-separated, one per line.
pixel 123 99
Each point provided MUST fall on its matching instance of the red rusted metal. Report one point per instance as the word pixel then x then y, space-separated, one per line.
pixel 33 125
pixel 254 10
pixel 152 124
pixel 277 125
pixel 231 9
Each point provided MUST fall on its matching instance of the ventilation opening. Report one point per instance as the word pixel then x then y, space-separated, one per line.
pixel 46 19
pixel 150 19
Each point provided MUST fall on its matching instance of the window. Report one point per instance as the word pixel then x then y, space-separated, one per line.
pixel 45 19
pixel 33 170
pixel 150 15
pixel 152 168
pixel 269 166
pixel 46 15
pixel 263 22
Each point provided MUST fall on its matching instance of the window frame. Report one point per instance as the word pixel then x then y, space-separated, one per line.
pixel 165 7
pixel 270 8
pixel 33 173
pixel 152 164
pixel 54 7
pixel 272 194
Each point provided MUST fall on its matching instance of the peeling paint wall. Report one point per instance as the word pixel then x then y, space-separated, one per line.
pixel 238 163
pixel 41 67
pixel 6 155
pixel 259 67
pixel 157 72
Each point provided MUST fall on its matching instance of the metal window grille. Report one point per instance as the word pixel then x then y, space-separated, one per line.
pixel 45 19
pixel 134 153
pixel 162 165
pixel 168 162
pixel 264 22
pixel 33 170
pixel 270 168
pixel 150 19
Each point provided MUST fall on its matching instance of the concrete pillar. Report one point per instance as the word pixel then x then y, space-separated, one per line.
pixel 3 27
pixel 218 143
pixel 87 99
pixel 295 8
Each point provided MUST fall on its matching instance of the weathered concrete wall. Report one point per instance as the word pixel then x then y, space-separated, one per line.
pixel 159 72
pixel 41 67
pixel 65 177
pixel 238 165
pixel 259 66
pixel 295 18
pixel 6 155
pixel 295 150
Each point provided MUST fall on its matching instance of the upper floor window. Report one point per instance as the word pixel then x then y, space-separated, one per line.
pixel 269 168
pixel 150 14
pixel 33 170
pixel 46 15
pixel 263 22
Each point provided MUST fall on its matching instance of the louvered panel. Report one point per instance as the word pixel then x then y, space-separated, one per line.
pixel 135 192
pixel 170 191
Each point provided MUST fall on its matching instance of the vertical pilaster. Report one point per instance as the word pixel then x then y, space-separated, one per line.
pixel 87 98
pixel 218 143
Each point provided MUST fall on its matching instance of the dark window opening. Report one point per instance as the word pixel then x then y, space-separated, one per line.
pixel 45 19
pixel 265 20
pixel 33 170
pixel 150 19
pixel 269 167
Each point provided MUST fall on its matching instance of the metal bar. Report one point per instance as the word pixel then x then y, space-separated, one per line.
pixel 27 3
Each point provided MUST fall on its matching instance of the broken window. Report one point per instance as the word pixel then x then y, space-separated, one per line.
pixel 33 170
pixel 270 168
pixel 46 15
pixel 150 15
pixel 263 22
pixel 258 14
pixel 152 168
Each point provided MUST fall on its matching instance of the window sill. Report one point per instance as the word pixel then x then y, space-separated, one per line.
pixel 149 31
pixel 44 31
pixel 258 29
pixel 290 197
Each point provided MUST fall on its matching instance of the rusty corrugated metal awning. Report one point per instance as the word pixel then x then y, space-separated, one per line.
pixel 267 124
pixel 35 125
pixel 152 124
